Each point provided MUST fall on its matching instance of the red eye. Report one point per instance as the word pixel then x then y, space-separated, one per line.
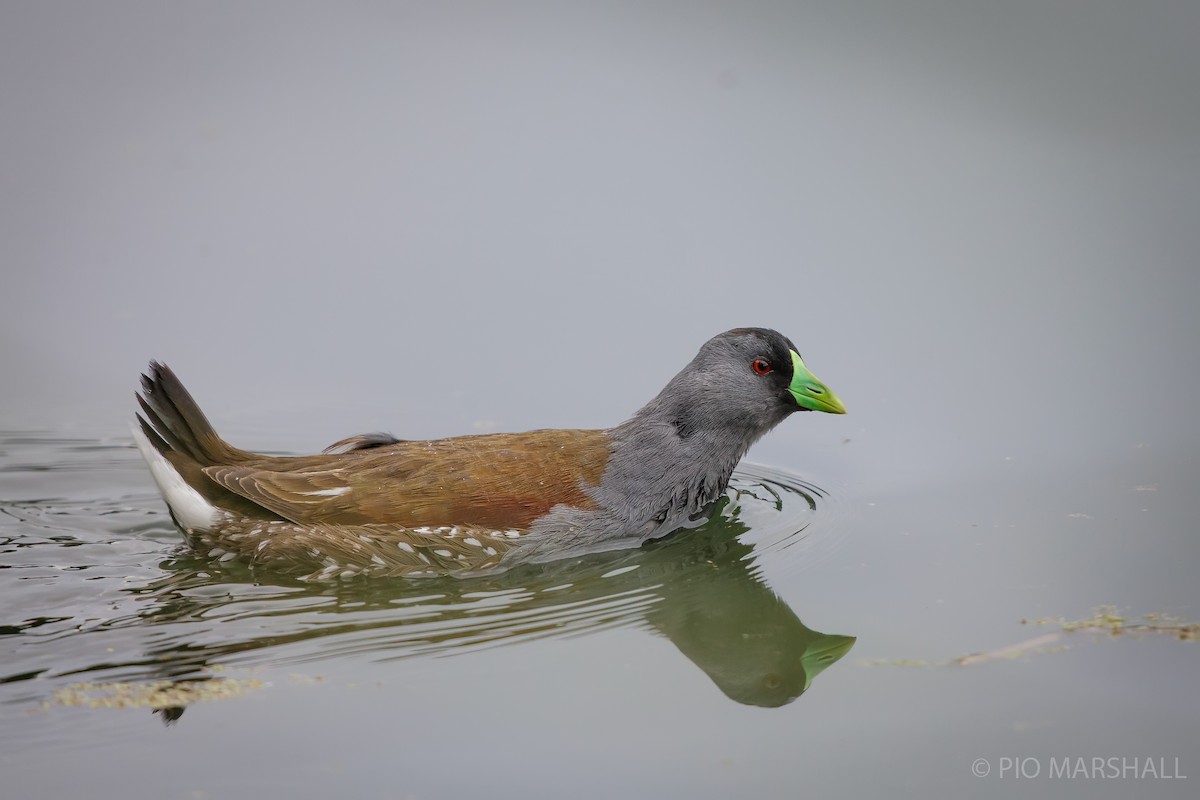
pixel 761 366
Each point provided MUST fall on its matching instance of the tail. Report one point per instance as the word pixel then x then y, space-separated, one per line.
pixel 174 423
pixel 177 441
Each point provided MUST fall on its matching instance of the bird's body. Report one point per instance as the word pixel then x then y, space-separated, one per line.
pixel 471 503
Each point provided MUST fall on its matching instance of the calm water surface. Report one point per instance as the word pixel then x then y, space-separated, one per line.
pixel 691 654
pixel 117 599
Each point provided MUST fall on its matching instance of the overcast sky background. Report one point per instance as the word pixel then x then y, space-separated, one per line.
pixel 978 220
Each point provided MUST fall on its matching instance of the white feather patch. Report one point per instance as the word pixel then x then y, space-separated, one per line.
pixel 328 492
pixel 189 506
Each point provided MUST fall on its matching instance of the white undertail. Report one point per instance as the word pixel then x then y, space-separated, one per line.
pixel 191 510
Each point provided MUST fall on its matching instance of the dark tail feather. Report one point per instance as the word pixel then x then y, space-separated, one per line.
pixel 364 441
pixel 174 422
pixel 167 440
pixel 159 443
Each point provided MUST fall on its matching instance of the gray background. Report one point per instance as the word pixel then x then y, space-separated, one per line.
pixel 531 214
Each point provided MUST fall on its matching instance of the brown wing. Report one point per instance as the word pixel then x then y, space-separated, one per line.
pixel 495 481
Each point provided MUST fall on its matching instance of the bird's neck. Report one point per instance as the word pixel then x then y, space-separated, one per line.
pixel 668 462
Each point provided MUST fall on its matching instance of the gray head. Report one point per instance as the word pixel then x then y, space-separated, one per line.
pixel 741 384
pixel 675 456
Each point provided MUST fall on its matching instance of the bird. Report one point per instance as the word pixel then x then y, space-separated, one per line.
pixel 373 504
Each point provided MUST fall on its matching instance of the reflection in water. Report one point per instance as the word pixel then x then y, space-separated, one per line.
pixel 700 589
pixel 744 636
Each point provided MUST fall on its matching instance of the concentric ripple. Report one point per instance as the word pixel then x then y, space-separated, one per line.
pixel 789 520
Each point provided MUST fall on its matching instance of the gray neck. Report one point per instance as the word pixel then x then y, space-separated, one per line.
pixel 674 457
pixel 665 464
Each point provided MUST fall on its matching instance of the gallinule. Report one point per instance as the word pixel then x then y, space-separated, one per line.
pixel 381 505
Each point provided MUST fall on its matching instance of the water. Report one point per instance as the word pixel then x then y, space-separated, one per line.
pixel 976 220
pixel 109 571
pixel 114 614
pixel 118 641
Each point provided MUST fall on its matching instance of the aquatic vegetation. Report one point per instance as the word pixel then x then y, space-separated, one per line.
pixel 1104 619
pixel 1107 619
pixel 158 695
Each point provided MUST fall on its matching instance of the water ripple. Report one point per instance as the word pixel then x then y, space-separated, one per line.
pixel 100 587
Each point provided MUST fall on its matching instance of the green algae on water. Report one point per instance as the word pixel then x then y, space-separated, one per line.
pixel 152 694
pixel 1107 619
pixel 1104 619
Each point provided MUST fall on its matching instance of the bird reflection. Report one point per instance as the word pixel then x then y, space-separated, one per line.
pixel 700 589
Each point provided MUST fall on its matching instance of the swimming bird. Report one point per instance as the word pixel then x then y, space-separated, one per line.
pixel 378 505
